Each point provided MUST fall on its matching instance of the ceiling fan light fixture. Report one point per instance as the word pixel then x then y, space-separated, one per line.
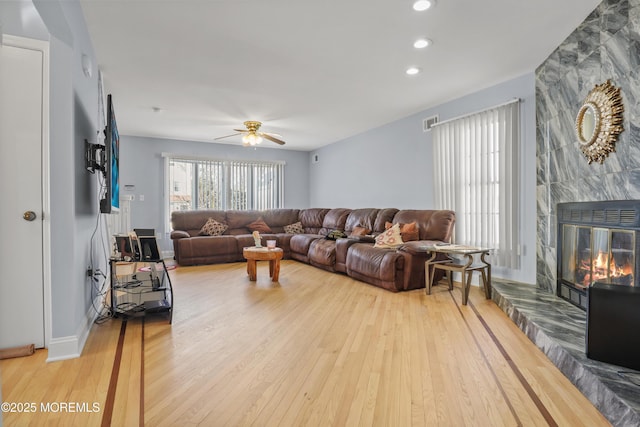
pixel 251 139
pixel 421 5
pixel 251 136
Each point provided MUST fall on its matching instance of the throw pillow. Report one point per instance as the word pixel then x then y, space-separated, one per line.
pixel 259 225
pixel 409 232
pixel 390 238
pixel 360 231
pixel 213 228
pixel 295 228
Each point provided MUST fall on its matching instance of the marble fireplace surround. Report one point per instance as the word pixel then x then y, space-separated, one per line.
pixel 605 46
pixel 558 328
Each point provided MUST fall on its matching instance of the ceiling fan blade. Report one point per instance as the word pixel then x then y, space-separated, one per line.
pixel 226 136
pixel 276 135
pixel 241 130
pixel 272 138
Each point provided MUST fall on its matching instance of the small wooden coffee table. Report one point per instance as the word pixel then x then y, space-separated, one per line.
pixel 253 254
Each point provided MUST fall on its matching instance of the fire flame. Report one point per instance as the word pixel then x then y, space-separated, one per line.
pixel 601 264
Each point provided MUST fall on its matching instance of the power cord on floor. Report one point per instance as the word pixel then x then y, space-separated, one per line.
pixel 99 280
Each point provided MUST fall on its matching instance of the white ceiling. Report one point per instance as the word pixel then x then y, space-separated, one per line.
pixel 314 72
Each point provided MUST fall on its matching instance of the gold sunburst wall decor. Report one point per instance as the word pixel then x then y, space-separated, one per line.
pixel 599 122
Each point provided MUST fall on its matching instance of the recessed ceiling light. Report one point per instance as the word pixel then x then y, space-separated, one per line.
pixel 422 43
pixel 412 71
pixel 421 5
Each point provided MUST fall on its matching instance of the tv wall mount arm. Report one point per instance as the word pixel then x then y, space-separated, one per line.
pixel 94 157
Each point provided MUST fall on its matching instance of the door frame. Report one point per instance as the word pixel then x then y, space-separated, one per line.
pixel 42 47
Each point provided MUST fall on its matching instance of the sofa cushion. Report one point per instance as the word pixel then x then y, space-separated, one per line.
pixel 278 218
pixel 390 238
pixel 322 253
pixel 259 225
pixel 295 228
pixel 299 245
pixel 335 219
pixel 192 221
pixel 440 226
pixel 380 267
pixel 239 219
pixel 364 218
pixel 312 219
pixel 432 224
pixel 207 250
pixel 384 215
pixel 284 242
pixel 213 228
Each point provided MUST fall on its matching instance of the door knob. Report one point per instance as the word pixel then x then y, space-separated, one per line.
pixel 29 216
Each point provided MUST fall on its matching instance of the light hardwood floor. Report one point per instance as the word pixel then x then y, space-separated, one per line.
pixel 317 349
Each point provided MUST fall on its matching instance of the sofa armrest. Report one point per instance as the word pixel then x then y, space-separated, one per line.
pixel 419 246
pixel 362 239
pixel 179 234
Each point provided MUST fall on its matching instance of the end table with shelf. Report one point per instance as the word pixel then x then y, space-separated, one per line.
pixel 140 288
pixel 466 267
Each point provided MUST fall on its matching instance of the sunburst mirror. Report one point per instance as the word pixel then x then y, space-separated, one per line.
pixel 599 122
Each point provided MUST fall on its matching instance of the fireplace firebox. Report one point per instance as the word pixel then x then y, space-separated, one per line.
pixel 598 242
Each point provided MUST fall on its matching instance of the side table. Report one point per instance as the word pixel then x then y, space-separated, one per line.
pixel 465 268
pixel 140 288
pixel 253 254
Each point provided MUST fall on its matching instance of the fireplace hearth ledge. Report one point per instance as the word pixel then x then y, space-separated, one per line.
pixel 558 328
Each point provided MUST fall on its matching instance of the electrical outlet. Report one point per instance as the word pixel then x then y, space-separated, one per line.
pixel 89 272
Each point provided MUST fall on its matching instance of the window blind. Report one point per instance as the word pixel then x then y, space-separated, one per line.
pixel 476 175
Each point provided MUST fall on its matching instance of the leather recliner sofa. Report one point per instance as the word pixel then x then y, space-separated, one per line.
pixel 394 269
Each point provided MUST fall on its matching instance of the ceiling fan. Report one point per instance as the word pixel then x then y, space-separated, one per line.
pixel 252 136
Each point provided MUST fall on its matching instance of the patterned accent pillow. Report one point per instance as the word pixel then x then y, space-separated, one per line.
pixel 213 228
pixel 390 238
pixel 295 228
pixel 409 232
pixel 260 226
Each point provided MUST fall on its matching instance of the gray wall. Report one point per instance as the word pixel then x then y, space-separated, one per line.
pixel 73 116
pixel 605 46
pixel 391 166
pixel 142 165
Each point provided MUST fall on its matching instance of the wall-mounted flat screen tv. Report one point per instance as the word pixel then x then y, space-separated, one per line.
pixel 111 201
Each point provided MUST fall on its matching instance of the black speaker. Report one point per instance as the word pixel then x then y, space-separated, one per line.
pixel 613 320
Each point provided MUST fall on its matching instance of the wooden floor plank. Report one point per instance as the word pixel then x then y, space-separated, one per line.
pixel 317 348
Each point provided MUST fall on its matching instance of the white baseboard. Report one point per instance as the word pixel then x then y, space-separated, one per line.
pixel 70 347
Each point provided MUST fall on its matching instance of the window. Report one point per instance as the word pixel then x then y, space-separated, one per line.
pixel 476 175
pixel 223 184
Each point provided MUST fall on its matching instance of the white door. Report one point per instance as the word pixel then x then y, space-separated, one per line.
pixel 21 137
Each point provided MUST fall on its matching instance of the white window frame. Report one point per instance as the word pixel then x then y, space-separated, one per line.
pixel 234 171
pixel 476 174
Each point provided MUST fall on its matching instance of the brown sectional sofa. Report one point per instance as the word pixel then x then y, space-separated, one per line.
pixel 396 269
